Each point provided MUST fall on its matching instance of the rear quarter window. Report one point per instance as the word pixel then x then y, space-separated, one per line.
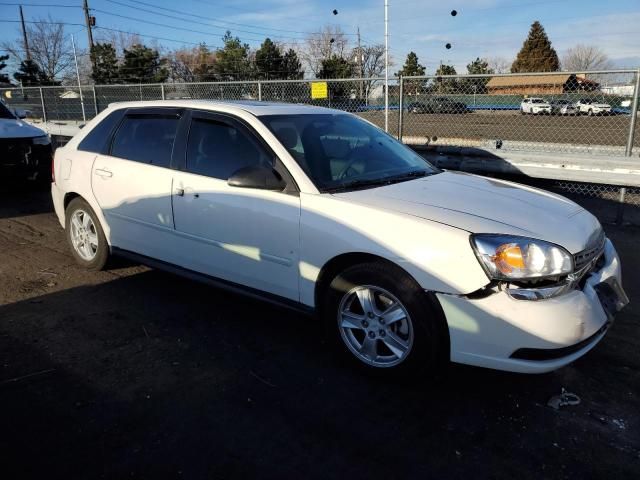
pixel 97 140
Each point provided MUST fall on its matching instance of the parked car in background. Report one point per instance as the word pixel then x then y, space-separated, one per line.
pixel 563 107
pixel 408 266
pixel 437 105
pixel 535 106
pixel 591 107
pixel 25 150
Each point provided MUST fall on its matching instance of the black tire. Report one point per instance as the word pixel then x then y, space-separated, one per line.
pixel 101 257
pixel 429 351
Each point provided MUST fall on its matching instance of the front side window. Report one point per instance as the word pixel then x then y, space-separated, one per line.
pixel 336 150
pixel 146 139
pixel 218 149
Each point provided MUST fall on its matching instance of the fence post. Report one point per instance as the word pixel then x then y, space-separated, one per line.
pixel 634 116
pixel 400 108
pixel 162 91
pixel 259 91
pixel 629 148
pixel 44 110
pixel 95 99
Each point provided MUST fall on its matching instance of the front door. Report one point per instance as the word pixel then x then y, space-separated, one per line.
pixel 242 235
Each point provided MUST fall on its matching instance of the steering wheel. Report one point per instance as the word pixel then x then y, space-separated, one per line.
pixel 356 155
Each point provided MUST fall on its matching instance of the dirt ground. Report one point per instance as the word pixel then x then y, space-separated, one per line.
pixel 134 373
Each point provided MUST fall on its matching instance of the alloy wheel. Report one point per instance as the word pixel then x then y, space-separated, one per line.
pixel 84 235
pixel 375 326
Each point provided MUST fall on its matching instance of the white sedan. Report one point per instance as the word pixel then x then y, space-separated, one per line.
pixel 409 266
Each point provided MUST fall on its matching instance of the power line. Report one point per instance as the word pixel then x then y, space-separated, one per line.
pixel 209 18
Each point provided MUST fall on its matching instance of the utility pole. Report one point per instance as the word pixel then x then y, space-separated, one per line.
pixel 87 20
pixel 386 65
pixel 360 72
pixel 24 36
pixel 75 58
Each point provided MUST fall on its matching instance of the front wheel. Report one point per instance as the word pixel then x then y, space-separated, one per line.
pixel 85 235
pixel 384 321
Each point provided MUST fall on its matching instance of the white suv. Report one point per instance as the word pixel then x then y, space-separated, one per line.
pixel 535 106
pixel 324 212
pixel 591 107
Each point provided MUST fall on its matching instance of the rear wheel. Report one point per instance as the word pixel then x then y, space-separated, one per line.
pixel 384 321
pixel 590 112
pixel 85 235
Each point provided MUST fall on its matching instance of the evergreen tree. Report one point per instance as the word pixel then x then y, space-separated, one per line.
pixel 477 85
pixel 142 65
pixel 104 64
pixel 4 78
pixel 203 69
pixel 29 74
pixel 232 61
pixel 411 66
pixel 269 61
pixel 446 85
pixel 536 54
pixel 336 67
pixel 291 66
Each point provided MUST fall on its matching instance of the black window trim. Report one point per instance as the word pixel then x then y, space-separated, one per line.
pixel 133 112
pixel 235 122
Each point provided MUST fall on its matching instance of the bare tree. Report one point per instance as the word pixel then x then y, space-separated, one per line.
pixel 121 41
pixel 583 58
pixel 499 64
pixel 50 47
pixel 331 40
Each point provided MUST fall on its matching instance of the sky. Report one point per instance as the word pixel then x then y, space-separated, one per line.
pixel 481 28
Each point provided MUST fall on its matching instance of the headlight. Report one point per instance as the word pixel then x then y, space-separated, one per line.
pixel 44 140
pixel 507 257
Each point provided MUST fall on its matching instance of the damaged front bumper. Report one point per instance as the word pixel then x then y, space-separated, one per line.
pixel 500 331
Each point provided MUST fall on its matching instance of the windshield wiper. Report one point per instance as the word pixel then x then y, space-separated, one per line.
pixel 357 184
pixel 380 181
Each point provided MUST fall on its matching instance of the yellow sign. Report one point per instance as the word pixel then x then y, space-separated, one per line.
pixel 319 90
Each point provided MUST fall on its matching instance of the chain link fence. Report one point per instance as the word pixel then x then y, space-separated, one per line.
pixel 547 113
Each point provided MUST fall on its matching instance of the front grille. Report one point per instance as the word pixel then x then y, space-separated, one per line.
pixel 15 151
pixel 592 252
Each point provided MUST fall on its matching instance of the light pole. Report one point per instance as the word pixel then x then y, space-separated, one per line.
pixel 386 65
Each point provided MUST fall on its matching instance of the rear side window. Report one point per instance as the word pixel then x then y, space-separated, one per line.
pixel 217 149
pixel 146 139
pixel 96 140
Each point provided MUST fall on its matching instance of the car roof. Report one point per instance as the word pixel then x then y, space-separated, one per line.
pixel 254 107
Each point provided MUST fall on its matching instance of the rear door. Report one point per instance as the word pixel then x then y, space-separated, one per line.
pixel 243 235
pixel 132 181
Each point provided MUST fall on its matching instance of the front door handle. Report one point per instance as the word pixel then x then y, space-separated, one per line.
pixel 180 192
pixel 101 172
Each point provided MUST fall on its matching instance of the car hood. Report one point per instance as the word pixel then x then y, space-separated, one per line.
pixel 13 128
pixel 483 205
pixel 601 105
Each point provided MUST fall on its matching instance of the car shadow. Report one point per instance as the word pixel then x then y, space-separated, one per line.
pixel 152 375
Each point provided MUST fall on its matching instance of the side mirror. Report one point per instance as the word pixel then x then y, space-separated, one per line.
pixel 257 176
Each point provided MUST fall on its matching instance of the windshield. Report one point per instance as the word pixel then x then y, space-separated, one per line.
pixel 5 113
pixel 338 151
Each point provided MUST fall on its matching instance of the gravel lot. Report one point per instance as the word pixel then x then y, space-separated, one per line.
pixel 137 373
pixel 509 125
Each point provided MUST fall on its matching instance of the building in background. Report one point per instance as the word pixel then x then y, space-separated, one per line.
pixel 552 84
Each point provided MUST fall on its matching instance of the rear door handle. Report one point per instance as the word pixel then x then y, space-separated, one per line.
pixel 101 172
